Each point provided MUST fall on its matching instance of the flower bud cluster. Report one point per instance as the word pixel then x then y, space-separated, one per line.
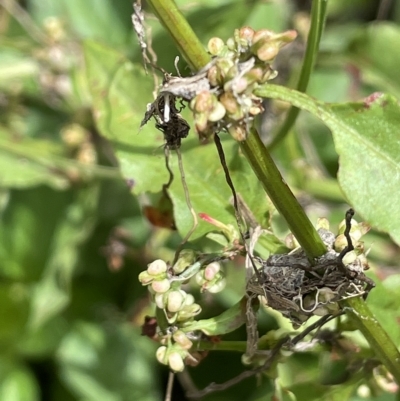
pixel 301 290
pixel 174 351
pixel 238 67
pixel 178 306
pixel 211 278
pixel 355 260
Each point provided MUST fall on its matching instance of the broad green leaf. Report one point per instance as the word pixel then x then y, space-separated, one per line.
pixel 14 310
pixel 102 364
pixel 367 141
pixel 89 18
pixel 43 342
pixel 120 91
pixel 19 384
pixel 29 162
pixel 52 293
pixel 26 231
pixel 26 163
pixel 374 52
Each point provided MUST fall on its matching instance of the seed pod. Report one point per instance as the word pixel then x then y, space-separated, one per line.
pixel 200 280
pixel 247 34
pixel 189 300
pixel 218 286
pixel 188 312
pixel 322 222
pixel 349 258
pixel 340 243
pixel 218 113
pixel 161 286
pixel 229 102
pixel 267 52
pixel 181 338
pixel 254 75
pixel 213 75
pixel 238 132
pixel 203 102
pixel 201 123
pixel 269 74
pixel 211 270
pixel 175 362
pixel 145 278
pixel 157 267
pixel 161 355
pixel 186 258
pixel 262 34
pixel 215 46
pixel 175 300
pixel 230 43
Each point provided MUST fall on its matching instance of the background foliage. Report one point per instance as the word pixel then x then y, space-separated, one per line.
pixel 73 232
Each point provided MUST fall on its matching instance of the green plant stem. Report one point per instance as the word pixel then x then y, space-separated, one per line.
pixel 282 197
pixel 277 189
pixel 239 346
pixel 179 29
pixel 318 11
pixel 380 342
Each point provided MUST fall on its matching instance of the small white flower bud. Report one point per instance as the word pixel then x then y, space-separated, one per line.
pixel 175 300
pixel 161 355
pixel 186 258
pixel 211 270
pixel 189 300
pixel 349 258
pixel 181 338
pixel 175 362
pixel 218 286
pixel 188 312
pixel 161 286
pixel 157 267
pixel 145 278
pixel 215 46
pixel 322 222
pixel 159 300
pixel 200 280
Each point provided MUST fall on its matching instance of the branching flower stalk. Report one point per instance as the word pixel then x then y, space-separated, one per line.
pixel 278 191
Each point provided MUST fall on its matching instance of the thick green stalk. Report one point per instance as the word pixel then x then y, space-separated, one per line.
pixel 318 11
pixel 282 197
pixel 380 342
pixel 186 40
pixel 279 192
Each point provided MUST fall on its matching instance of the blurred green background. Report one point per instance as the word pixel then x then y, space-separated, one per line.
pixel 73 236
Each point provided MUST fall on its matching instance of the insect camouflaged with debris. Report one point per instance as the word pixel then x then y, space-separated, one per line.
pixel 299 290
pixel 168 120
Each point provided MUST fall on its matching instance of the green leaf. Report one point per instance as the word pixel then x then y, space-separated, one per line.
pixel 107 364
pixel 51 294
pixel 366 139
pixel 88 18
pixel 26 163
pixel 374 52
pixel 29 162
pixel 27 228
pixel 119 108
pixel 120 92
pixel 14 311
pixel 18 384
